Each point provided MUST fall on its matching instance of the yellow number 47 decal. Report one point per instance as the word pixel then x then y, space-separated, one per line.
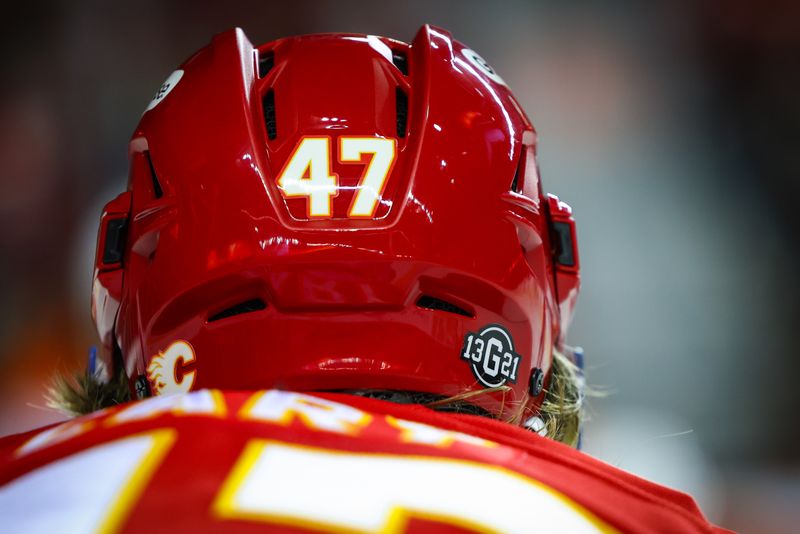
pixel 307 173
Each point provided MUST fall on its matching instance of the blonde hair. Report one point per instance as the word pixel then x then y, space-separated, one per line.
pixel 84 393
pixel 561 412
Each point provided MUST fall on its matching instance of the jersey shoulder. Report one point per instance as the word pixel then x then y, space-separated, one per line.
pixel 331 462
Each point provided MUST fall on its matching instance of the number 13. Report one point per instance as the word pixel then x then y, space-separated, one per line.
pixel 307 173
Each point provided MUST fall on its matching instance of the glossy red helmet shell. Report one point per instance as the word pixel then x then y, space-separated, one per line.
pixel 212 271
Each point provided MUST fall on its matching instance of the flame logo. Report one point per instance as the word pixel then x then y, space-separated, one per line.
pixel 163 366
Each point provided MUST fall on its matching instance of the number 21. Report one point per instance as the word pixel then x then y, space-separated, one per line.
pixel 307 173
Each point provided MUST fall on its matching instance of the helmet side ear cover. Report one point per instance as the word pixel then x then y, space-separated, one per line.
pixel 109 270
pixel 565 258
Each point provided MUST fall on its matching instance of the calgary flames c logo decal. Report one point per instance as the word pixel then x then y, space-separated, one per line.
pixel 164 367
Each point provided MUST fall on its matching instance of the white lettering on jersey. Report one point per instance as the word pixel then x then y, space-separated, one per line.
pixel 203 402
pixel 278 483
pixel 62 432
pixel 91 491
pixel 412 432
pixel 283 406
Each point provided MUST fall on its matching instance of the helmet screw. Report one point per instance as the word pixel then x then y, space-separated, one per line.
pixel 142 387
pixel 537 381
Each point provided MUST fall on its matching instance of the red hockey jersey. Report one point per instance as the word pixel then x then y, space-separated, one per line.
pixel 273 460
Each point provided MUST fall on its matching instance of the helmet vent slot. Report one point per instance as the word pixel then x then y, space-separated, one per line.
pixel 563 245
pixel 269 114
pixel 516 183
pixel 247 306
pixel 400 60
pixel 266 60
pixel 114 245
pixel 433 303
pixel 402 112
pixel 157 191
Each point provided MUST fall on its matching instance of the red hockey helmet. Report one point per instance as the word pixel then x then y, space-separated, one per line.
pixel 335 212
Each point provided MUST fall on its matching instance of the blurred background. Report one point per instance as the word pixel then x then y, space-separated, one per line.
pixel 671 128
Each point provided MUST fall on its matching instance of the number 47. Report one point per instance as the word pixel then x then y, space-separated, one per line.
pixel 307 173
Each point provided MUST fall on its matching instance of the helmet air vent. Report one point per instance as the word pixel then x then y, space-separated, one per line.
pixel 432 303
pixel 516 186
pixel 400 60
pixel 266 60
pixel 269 114
pixel 402 112
pixel 518 183
pixel 157 191
pixel 114 243
pixel 515 181
pixel 563 244
pixel 247 306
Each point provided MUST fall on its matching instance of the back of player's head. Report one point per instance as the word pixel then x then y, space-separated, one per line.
pixel 336 212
